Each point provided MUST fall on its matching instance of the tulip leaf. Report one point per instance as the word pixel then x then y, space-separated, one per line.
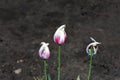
pixel 35 78
pixel 38 78
pixel 78 78
pixel 48 77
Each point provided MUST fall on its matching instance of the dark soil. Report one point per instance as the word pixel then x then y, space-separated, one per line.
pixel 25 23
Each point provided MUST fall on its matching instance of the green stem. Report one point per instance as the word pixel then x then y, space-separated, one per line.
pixel 45 71
pixel 90 68
pixel 59 62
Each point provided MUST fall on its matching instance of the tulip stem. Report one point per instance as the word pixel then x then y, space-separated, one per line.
pixel 45 71
pixel 59 62
pixel 90 68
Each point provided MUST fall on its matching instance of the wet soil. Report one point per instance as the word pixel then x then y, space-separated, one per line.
pixel 25 23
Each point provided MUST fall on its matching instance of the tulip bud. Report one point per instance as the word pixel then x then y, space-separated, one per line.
pixel 92 47
pixel 60 35
pixel 44 51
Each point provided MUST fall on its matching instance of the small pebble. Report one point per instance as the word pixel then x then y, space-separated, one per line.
pixel 19 61
pixel 18 71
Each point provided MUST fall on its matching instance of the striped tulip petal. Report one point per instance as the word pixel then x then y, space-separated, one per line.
pixel 44 51
pixel 60 35
pixel 92 47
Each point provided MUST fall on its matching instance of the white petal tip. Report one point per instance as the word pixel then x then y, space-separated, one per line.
pixel 43 43
pixel 62 26
pixel 98 43
pixel 47 43
pixel 92 39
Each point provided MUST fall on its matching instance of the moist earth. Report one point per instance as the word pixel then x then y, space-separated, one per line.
pixel 24 24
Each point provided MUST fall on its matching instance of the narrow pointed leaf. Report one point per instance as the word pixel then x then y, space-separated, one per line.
pixel 78 78
pixel 34 78
pixel 48 77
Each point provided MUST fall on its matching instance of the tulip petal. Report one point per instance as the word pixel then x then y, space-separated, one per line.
pixel 93 45
pixel 44 51
pixel 57 39
pixel 60 35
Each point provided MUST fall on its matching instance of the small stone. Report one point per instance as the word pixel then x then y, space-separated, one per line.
pixel 19 61
pixel 18 71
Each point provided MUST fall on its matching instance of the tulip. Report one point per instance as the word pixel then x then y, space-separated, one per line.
pixel 60 35
pixel 59 38
pixel 92 50
pixel 44 51
pixel 93 47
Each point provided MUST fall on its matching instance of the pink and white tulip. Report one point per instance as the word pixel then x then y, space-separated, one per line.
pixel 93 45
pixel 60 35
pixel 44 51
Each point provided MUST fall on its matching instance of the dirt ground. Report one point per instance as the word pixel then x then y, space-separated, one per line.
pixel 25 23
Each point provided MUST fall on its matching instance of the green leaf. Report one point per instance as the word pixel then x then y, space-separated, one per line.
pixel 78 78
pixel 48 77
pixel 38 78
pixel 34 78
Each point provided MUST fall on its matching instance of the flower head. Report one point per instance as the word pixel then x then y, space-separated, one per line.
pixel 60 35
pixel 44 51
pixel 92 47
